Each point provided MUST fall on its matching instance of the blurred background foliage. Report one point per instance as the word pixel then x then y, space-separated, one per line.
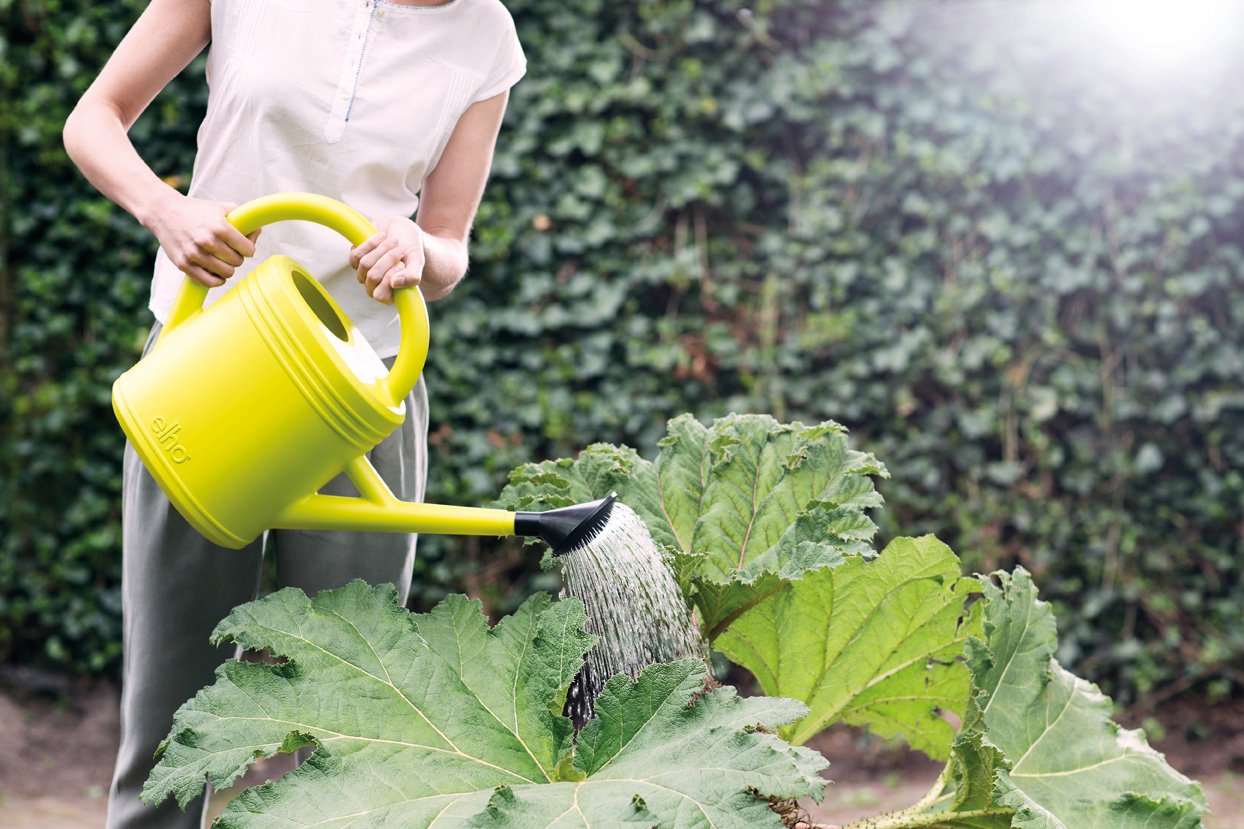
pixel 1006 258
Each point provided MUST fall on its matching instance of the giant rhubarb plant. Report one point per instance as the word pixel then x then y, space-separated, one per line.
pixel 765 524
pixel 438 720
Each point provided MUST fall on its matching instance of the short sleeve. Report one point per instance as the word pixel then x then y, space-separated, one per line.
pixel 509 66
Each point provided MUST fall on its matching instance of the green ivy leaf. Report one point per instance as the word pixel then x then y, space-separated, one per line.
pixel 437 720
pixel 870 642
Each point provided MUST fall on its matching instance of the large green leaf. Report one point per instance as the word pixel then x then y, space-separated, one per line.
pixel 670 763
pixel 437 720
pixel 744 506
pixel 874 643
pixel 1069 765
pixel 1038 749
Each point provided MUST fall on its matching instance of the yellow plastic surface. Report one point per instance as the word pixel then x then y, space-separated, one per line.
pixel 246 409
pixel 311 207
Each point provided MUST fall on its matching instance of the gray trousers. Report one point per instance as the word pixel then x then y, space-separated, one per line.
pixel 176 586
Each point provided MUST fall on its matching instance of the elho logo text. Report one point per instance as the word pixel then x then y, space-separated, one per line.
pixel 166 435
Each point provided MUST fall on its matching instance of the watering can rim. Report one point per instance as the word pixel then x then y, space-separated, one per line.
pixel 318 359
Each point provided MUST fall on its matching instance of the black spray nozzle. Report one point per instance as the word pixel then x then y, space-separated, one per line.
pixel 568 528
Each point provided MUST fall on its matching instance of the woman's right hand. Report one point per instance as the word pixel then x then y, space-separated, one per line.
pixel 199 240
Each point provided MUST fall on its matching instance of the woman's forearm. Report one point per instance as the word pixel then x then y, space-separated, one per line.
pixel 444 264
pixel 451 194
pixel 194 233
pixel 95 138
pixel 164 39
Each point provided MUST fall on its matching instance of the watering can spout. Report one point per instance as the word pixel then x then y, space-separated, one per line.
pixel 568 528
pixel 564 530
pixel 379 510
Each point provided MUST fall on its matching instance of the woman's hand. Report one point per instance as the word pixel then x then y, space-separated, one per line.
pixel 199 240
pixel 391 259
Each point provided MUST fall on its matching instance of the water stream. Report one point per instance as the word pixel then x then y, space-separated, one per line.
pixel 634 607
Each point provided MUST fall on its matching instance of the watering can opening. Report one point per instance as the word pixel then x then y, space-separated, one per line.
pixel 244 411
pixel 321 304
pixel 357 358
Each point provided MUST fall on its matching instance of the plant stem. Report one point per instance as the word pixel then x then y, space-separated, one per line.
pixel 907 819
pixel 933 793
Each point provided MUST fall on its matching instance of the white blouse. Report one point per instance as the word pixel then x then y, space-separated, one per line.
pixel 353 99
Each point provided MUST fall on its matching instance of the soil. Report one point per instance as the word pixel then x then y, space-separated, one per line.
pixel 58 738
pixel 57 743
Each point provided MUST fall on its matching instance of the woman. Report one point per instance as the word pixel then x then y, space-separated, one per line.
pixel 390 106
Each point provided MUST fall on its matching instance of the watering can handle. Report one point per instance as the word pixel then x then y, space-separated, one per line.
pixel 310 207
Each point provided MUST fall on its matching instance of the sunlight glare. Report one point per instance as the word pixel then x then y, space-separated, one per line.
pixel 1164 31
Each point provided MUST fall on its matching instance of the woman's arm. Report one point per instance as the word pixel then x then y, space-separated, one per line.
pixel 193 232
pixel 433 252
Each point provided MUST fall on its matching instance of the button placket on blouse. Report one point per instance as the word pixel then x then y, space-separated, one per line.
pixel 347 85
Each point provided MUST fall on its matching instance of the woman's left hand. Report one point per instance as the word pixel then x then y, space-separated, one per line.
pixel 391 259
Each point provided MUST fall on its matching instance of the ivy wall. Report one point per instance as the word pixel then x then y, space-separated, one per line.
pixel 999 246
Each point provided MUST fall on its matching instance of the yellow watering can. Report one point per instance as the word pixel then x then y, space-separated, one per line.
pixel 243 411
